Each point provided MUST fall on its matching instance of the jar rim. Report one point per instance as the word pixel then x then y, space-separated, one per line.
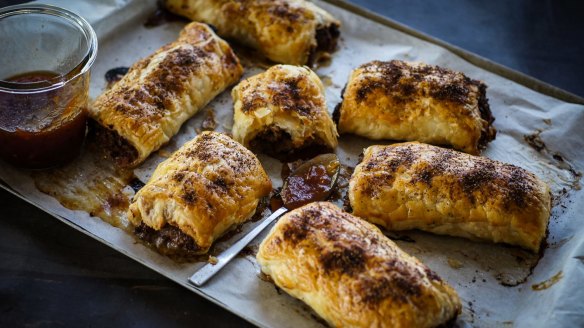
pixel 81 68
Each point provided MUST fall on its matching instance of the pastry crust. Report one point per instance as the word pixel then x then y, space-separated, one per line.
pixel 418 186
pixel 416 102
pixel 282 111
pixel 207 187
pixel 159 93
pixel 351 274
pixel 285 31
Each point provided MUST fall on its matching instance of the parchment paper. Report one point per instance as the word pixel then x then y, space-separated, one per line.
pixel 478 271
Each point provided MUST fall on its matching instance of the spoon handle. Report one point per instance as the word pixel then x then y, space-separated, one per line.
pixel 206 272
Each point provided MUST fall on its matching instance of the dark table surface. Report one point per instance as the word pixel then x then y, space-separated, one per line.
pixel 52 275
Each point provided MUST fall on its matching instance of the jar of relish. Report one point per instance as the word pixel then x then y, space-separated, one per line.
pixel 45 59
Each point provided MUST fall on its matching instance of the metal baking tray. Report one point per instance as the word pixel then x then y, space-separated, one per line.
pixel 499 285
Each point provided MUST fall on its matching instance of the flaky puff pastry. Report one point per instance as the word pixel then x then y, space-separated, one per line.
pixel 282 111
pixel 351 274
pixel 416 102
pixel 286 31
pixel 418 186
pixel 207 187
pixel 159 93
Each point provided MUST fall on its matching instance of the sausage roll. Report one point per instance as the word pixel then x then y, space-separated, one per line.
pixel 416 102
pixel 418 186
pixel 351 274
pixel 142 111
pixel 282 111
pixel 207 187
pixel 285 31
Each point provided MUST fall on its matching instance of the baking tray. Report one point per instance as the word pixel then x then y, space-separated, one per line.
pixel 496 283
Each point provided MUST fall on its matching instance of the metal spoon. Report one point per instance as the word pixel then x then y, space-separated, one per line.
pixel 312 181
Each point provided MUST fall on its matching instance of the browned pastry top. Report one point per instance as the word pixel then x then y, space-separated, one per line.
pixel 417 102
pixel 418 186
pixel 514 185
pixel 285 31
pixel 207 187
pixel 351 274
pixel 142 111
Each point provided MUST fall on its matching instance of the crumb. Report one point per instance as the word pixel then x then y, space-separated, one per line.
pixel 212 259
pixel 534 140
pixel 455 264
pixel 164 153
pixel 327 81
pixel 209 123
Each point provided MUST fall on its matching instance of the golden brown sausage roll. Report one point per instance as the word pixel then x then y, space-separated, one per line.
pixel 207 187
pixel 351 274
pixel 416 102
pixel 418 186
pixel 146 108
pixel 282 111
pixel 285 31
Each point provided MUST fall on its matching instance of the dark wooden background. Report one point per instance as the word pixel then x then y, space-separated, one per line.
pixel 52 275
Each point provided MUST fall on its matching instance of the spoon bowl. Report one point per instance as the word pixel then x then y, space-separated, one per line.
pixel 312 181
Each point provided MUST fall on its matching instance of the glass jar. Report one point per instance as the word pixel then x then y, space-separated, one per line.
pixel 46 54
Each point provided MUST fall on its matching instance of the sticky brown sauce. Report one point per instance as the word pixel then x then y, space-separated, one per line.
pixel 303 189
pixel 42 131
pixel 276 199
pixel 93 184
pixel 339 195
pixel 46 77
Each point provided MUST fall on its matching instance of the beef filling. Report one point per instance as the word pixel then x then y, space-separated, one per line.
pixel 278 144
pixel 123 153
pixel 169 241
pixel 337 113
pixel 326 41
pixel 489 133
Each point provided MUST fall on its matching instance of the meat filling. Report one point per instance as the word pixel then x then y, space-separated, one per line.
pixel 278 144
pixel 169 241
pixel 122 152
pixel 326 41
pixel 489 133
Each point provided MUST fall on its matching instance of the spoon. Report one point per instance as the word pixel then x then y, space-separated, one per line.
pixel 312 181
